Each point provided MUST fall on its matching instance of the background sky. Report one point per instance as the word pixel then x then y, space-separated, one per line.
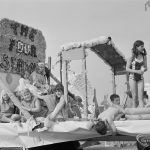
pixel 65 21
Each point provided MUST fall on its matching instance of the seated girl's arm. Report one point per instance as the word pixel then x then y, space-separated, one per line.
pixel 57 109
pixel 36 109
pixel 5 119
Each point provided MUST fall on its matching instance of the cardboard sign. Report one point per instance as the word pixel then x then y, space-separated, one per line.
pixel 21 47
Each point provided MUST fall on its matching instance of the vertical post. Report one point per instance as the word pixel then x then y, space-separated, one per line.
pixel 127 92
pixel 113 81
pixel 85 80
pixel 65 80
pixel 96 112
pixel 61 67
pixel 49 67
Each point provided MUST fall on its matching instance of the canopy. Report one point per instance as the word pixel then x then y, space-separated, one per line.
pixel 104 47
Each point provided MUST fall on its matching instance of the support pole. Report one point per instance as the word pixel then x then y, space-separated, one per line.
pixel 61 67
pixel 127 82
pixel 85 82
pixel 113 81
pixel 128 92
pixel 65 81
pixel 49 67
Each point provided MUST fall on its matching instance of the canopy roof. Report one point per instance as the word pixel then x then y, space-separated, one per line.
pixel 105 49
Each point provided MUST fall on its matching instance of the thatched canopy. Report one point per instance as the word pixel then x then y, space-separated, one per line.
pixel 105 49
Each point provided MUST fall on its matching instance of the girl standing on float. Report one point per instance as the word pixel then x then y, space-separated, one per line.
pixel 136 66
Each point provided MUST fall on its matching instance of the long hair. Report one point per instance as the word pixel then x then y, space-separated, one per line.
pixel 3 92
pixel 135 52
pixel 59 87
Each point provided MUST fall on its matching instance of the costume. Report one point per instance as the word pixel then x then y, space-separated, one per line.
pixel 23 84
pixel 136 65
pixel 51 102
pixel 31 105
pixel 39 83
pixel 6 108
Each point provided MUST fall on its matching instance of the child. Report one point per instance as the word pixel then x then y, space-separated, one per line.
pixel 136 67
pixel 24 81
pixel 59 109
pixel 114 112
pixel 7 109
pixel 32 104
pixel 39 80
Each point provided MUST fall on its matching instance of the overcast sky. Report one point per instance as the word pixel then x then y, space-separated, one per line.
pixel 63 21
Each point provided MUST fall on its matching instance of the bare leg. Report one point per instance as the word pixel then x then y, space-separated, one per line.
pixel 111 125
pixel 133 86
pixel 16 117
pixel 6 119
pixel 140 93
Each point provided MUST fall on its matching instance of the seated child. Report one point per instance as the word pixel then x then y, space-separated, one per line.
pixel 7 109
pixel 39 80
pixel 32 104
pixel 114 112
pixel 24 81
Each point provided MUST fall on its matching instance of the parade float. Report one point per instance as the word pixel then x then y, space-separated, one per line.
pixel 21 47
